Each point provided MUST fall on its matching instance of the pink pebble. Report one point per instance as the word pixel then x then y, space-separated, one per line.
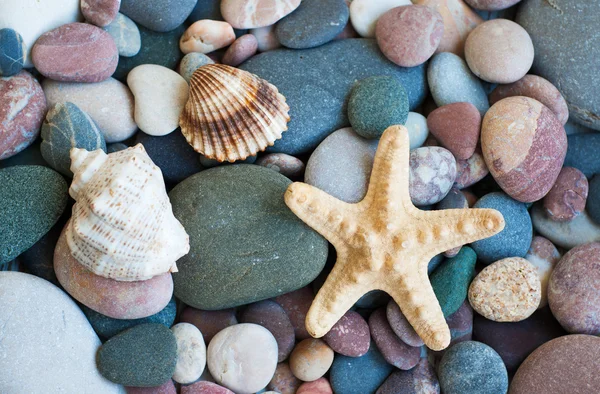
pixel 205 388
pixel 350 336
pixel 319 386
pixel 241 50
pixel 167 388
pixel 296 305
pixel 209 322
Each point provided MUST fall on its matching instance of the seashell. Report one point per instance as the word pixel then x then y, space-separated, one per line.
pixel 232 114
pixel 122 226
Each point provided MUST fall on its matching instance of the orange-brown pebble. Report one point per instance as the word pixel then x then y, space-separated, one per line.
pixel 319 386
pixel 206 36
pixel 311 359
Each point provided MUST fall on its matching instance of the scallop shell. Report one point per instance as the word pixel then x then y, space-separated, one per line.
pixel 122 226
pixel 232 114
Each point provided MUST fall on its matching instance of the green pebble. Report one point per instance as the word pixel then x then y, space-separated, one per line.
pixel 451 280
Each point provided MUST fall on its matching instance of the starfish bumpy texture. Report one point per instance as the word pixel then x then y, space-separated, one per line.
pixel 385 243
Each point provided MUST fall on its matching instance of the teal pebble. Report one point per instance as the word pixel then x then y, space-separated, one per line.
pixel 12 52
pixel 375 104
pixel 126 35
pixel 451 280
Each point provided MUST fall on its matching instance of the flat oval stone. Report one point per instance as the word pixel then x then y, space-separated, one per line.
pixel 126 35
pixel 513 159
pixel 12 52
pixel 450 282
pixel 470 171
pixel 456 126
pixel 593 203
pixel 507 291
pixel 364 14
pixel 158 15
pixel 204 387
pixel 578 231
pixel 568 196
pixel 191 62
pixel 250 361
pixel 209 322
pixel 250 14
pixel 142 356
pixel 409 35
pixel 206 36
pixel 491 5
pixel 350 336
pixel 311 359
pixel 283 381
pixel 287 165
pixel 296 304
pixel 100 12
pixel 393 350
pixel 241 50
pixel 191 353
pixel 432 174
pixel 319 386
pixel 421 379
pixel 359 374
pixel 401 326
pixel 76 52
pixel 416 124
pixel 544 256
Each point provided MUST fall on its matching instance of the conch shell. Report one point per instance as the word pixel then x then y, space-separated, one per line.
pixel 122 225
pixel 232 114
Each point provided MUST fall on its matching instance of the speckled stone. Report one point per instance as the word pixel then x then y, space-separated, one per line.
pixel 191 353
pixel 319 386
pixel 432 174
pixel 568 364
pixel 296 304
pixel 350 336
pixel 311 359
pixel 359 375
pixel 470 171
pixel 573 292
pixel 392 348
pixel 419 380
pixel 456 126
pixel 491 5
pixel 204 387
pixel 209 322
pixel 471 368
pixel 283 381
pixel 206 36
pixel 100 12
pixel 286 165
pixel 569 234
pixel 12 52
pixel 191 62
pixel 593 202
pixel 544 256
pixel 241 50
pixel 158 15
pixel 364 14
pixel 250 14
pixel 507 291
pixel 126 35
pixel 568 196
pixel 401 326
pixel 451 280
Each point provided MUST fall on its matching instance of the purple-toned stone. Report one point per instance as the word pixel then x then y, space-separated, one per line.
pixel 419 380
pixel 296 304
pixel 284 381
pixel 470 171
pixel 461 324
pixel 209 322
pixel 350 336
pixel 319 386
pixel 395 352
pixel 284 164
pixel 432 173
pixel 241 50
pixel 166 388
pixel 401 326
pixel 204 387
pixel 456 126
pixel 568 196
pixel 100 12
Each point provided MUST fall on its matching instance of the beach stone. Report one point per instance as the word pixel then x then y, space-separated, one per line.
pixel 460 324
pixel 206 36
pixel 393 350
pixel 311 359
pixel 296 304
pixel 455 199
pixel 581 153
pixel 191 353
pixel 142 356
pixel 578 231
pixel 241 50
pixel 209 322
pixel 318 109
pixel 514 158
pixel 249 14
pixel 283 381
pixel 451 81
pixel 491 5
pixel 248 200
pixel 126 35
pixel 319 386
pixel 421 379
pixel 12 52
pixel 108 103
pixel 204 387
pixel 451 280
pixel 350 336
pixel 568 196
pixel 250 360
pixel 273 317
pixel 37 318
pixel 30 156
pixel 515 239
pixel 401 327
pixel 39 258
pixel 266 39
pixel 286 165
pixel 470 171
pixel 544 256
pixel 432 173
pixel 76 52
pixel 562 56
pixel 536 88
pixel 508 290
pixel 166 388
pixel 372 299
pixel 100 12
pixel 364 14
pixel 456 126
pixel 32 199
pixel 573 290
pixel 416 124
pixel 568 364
pixel 158 15
pixel 116 299
pixel 409 35
pixel 472 367
pixel 67 127
pixel 160 95
pixel 21 114
pixel 314 23
pixel 593 203
pixel 512 54
pixel 359 375
pixel 191 62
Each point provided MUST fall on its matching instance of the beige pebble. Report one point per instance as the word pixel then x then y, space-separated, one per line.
pixel 206 36
pixel 267 41
pixel 311 359
pixel 544 256
pixel 191 353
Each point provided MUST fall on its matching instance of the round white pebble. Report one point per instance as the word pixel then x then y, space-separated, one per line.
pixel 417 129
pixel 191 353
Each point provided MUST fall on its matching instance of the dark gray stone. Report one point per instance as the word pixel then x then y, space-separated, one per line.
pixel 158 15
pixel 582 153
pixel 12 52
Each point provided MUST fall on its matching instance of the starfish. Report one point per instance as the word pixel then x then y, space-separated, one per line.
pixel 385 243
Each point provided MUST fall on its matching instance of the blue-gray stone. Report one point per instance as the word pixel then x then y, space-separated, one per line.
pixel 582 153
pixel 30 156
pixel 126 35
pixel 373 299
pixel 12 52
pixel 39 259
pixel 66 127
pixel 593 201
pixel 206 9
pixel 116 147
pixel 191 62
pixel 472 368
pixel 158 15
pixel 313 23
pixel 515 239
pixel 317 83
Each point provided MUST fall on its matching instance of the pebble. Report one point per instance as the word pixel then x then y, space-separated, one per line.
pixel 409 35
pixel 419 380
pixel 451 280
pixel 116 299
pixel 456 126
pixel 373 299
pixel 568 364
pixel 126 35
pixel 451 81
pixel 512 54
pixel 100 12
pixel 364 14
pixel 67 127
pixel 286 165
pixel 573 290
pixel 250 14
pixel 593 203
pixel 204 387
pixel 158 15
pixel 248 201
pixel 166 388
pixel 314 23
pixel 470 171
pixel 393 350
pixel 160 95
pixel 250 360
pixel 515 239
pixel 536 88
pixel 416 124
pixel 319 386
pixel 209 322
pixel 359 375
pixel 470 368
pixel 580 230
pixel 38 318
pixel 39 258
pixel 206 36
pixel 32 198
pixel 311 359
pixel 581 153
pixel 296 304
pixel 513 153
pixel 21 114
pixel 266 39
pixel 12 53
pixel 508 290
pixel 350 336
pixel 142 356
pixel 432 174
pixel 76 52
pixel 191 353
pixel 568 196
pixel 273 317
pixel 109 104
pixel 544 256
pixel 283 381
pixel 191 62
pixel 241 50
pixel 375 104
pixel 491 5
pixel 401 327
pixel 460 324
